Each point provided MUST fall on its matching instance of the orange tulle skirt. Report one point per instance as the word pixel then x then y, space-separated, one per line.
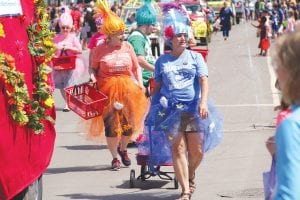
pixel 135 106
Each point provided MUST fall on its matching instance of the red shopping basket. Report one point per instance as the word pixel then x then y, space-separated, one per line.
pixel 64 62
pixel 85 100
pixel 204 52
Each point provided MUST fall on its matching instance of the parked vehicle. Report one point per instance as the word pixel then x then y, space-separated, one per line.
pixel 129 9
pixel 198 20
pixel 216 5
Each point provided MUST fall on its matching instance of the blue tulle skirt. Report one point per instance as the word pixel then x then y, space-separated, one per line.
pixel 164 121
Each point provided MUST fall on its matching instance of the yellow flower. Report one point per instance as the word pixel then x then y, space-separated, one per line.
pixel 22 118
pixel 45 77
pixel 35 1
pixel 24 121
pixel 127 127
pixel 48 43
pixel 2 33
pixel 49 102
pixel 118 131
pixel 20 106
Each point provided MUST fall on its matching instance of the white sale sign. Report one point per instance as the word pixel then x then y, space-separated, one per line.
pixel 10 7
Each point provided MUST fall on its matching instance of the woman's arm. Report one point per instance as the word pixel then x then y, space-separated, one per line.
pixel 203 107
pixel 144 64
pixel 93 65
pixel 137 73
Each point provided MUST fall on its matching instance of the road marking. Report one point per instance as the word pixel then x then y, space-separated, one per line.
pixel 275 92
pixel 246 105
pixel 245 130
pixel 253 68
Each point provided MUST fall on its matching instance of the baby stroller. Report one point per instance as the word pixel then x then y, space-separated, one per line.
pixel 153 153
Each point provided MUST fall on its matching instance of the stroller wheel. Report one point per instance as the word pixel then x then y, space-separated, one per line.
pixel 132 178
pixel 176 182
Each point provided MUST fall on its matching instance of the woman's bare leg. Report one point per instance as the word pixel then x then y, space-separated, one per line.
pixel 180 163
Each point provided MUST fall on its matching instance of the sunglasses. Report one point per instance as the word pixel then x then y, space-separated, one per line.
pixel 65 27
pixel 181 35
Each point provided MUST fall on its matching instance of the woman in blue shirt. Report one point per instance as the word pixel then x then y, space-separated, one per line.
pixel 287 59
pixel 180 105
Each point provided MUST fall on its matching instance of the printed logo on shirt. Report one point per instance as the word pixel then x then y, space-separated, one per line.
pixel 180 76
pixel 117 62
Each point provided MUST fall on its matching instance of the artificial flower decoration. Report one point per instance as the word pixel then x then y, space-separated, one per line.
pixel 15 89
pixel 119 131
pixel 25 109
pixel 10 61
pixel 2 33
pixel 169 32
pixel 49 102
pixel 127 127
pixel 161 114
pixel 163 127
pixel 179 106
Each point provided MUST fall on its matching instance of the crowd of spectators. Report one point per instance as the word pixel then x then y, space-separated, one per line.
pixel 83 19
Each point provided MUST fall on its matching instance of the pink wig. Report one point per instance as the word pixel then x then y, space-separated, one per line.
pixel 66 20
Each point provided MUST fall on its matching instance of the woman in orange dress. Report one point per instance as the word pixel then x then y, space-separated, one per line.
pixel 115 67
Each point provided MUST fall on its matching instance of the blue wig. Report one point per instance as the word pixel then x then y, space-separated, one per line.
pixel 176 17
pixel 175 21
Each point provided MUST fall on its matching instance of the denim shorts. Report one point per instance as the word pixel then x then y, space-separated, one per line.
pixel 190 122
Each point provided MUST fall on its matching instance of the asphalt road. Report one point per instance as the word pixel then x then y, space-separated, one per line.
pixel 240 84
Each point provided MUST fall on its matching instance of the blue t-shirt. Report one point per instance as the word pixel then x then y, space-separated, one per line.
pixel 288 157
pixel 179 75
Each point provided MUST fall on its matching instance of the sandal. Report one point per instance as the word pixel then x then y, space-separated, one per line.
pixel 185 196
pixel 192 184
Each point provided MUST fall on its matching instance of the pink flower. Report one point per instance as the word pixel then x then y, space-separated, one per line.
pixel 169 32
